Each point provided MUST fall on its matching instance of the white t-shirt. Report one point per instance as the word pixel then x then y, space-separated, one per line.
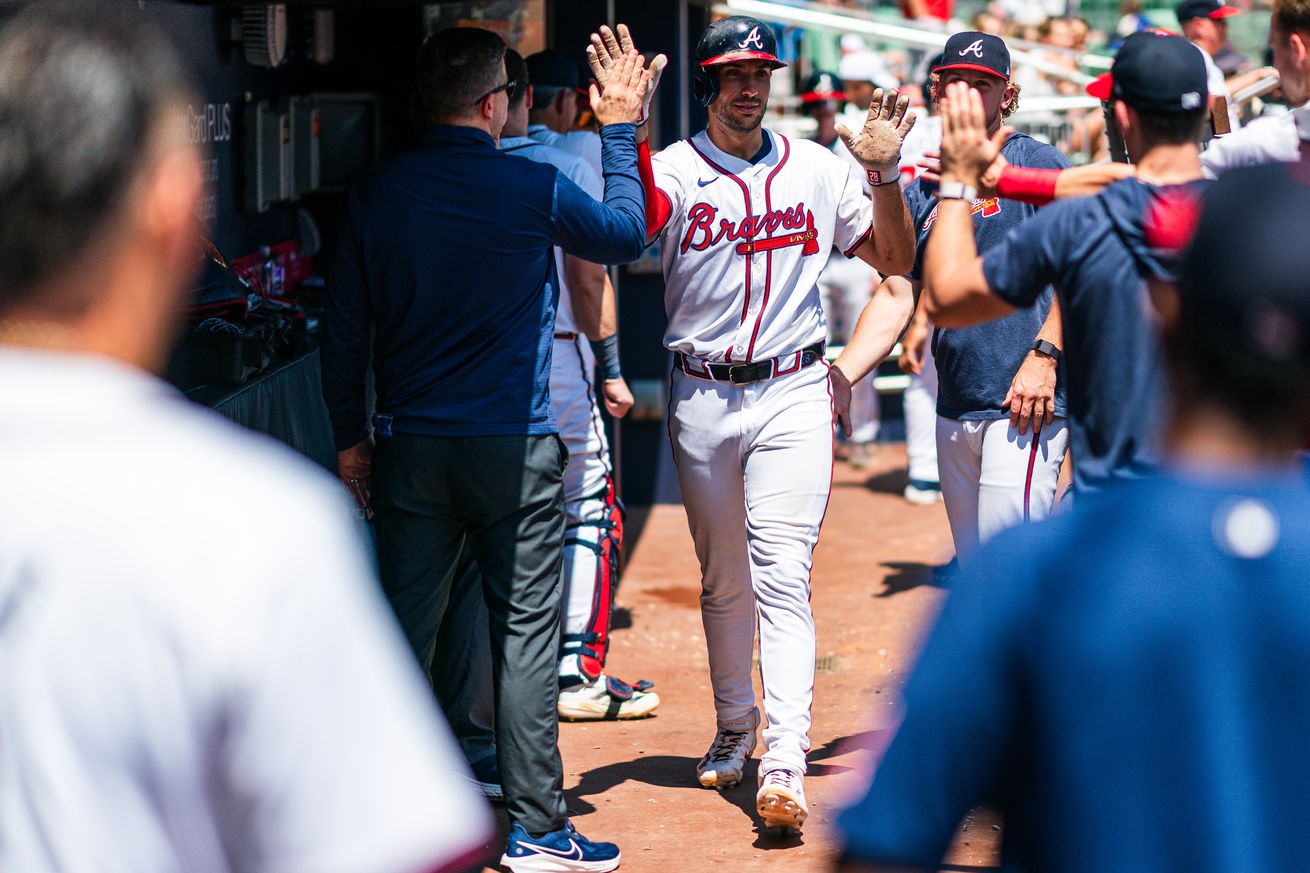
pixel 578 171
pixel 197 670
pixel 1268 140
pixel 745 243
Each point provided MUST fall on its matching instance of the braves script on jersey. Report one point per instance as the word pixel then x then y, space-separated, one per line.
pixel 745 243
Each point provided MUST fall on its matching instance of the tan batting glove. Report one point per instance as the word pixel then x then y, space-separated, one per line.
pixel 607 47
pixel 878 145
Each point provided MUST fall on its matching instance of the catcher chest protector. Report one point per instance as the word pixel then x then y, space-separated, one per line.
pixel 605 538
pixel 735 38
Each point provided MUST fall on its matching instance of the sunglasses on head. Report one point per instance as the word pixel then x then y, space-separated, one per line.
pixel 511 89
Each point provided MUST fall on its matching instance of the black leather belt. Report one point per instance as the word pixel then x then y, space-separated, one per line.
pixel 756 371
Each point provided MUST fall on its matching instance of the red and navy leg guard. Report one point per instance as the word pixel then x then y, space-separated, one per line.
pixel 593 644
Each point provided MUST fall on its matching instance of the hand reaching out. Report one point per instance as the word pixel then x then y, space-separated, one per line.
pixel 878 144
pixel 967 151
pixel 604 53
pixel 625 92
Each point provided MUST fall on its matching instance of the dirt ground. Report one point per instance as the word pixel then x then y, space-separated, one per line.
pixel 634 783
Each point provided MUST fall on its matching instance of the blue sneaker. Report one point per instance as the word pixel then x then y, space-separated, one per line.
pixel 561 851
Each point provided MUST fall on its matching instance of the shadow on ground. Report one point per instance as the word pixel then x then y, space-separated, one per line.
pixel 905 576
pixel 890 482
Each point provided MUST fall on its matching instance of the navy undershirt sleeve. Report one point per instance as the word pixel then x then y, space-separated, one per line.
pixel 612 231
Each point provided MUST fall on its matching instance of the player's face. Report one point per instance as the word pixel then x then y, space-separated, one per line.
pixel 991 88
pixel 743 95
pixel 860 94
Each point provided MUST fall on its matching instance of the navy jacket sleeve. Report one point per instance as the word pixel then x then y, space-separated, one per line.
pixel 612 231
pixel 346 325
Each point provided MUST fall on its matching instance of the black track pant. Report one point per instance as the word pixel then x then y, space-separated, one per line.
pixel 501 498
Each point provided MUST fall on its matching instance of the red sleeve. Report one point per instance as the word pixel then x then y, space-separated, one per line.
pixel 658 207
pixel 1027 184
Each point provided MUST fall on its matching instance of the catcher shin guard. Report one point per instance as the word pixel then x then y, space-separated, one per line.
pixel 592 559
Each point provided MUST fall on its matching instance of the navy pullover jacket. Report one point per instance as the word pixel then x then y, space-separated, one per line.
pixel 447 260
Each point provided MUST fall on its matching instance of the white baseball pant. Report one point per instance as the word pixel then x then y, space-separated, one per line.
pixel 755 468
pixel 993 477
pixel 573 396
pixel 920 402
pixel 845 288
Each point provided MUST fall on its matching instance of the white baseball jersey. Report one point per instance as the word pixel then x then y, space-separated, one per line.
pixel 745 243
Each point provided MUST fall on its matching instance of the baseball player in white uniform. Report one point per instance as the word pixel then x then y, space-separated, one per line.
pixel 593 527
pixel 747 218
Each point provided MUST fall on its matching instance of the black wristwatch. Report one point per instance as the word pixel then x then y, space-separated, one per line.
pixel 1048 349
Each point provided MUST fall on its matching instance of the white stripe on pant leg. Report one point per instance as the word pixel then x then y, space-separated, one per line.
pixel 1004 479
pixel 920 402
pixel 704 431
pixel 788 482
pixel 959 460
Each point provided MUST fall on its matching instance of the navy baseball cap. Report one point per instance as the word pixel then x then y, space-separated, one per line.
pixel 822 87
pixel 551 68
pixel 973 50
pixel 1242 288
pixel 1215 9
pixel 1155 71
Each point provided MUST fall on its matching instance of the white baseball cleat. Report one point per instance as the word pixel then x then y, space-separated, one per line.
pixel 605 699
pixel 723 764
pixel 781 799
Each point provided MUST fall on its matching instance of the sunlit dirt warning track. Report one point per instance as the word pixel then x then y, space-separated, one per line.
pixel 634 782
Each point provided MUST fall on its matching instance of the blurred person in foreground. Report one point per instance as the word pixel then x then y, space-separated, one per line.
pixel 1138 697
pixel 175 693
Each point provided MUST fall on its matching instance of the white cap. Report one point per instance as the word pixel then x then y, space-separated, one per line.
pixel 866 67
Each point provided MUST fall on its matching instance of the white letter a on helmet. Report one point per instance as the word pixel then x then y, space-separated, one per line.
pixel 752 40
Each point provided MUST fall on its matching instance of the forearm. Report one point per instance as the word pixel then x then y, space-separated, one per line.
pixel 890 246
pixel 1052 330
pixel 657 204
pixel 587 283
pixel 881 324
pixel 612 231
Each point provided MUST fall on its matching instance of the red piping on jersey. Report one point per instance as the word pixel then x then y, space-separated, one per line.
pixel 745 192
pixel 859 242
pixel 1032 460
pixel 768 255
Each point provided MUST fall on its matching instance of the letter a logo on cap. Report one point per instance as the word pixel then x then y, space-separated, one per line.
pixel 752 39
pixel 974 48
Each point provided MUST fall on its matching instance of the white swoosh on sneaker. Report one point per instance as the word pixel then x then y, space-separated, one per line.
pixel 573 854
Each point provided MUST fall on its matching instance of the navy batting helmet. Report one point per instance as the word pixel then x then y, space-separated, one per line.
pixel 735 38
